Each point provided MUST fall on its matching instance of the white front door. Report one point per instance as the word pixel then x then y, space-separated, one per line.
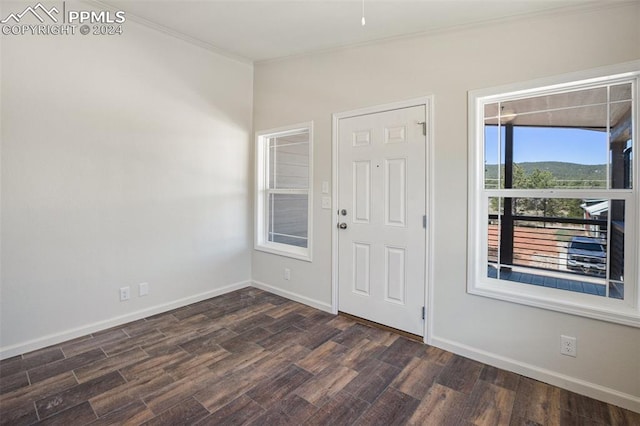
pixel 381 203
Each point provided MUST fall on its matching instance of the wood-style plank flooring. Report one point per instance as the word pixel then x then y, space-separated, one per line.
pixel 251 357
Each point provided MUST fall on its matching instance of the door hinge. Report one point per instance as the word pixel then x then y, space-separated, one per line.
pixel 424 127
pixel 423 312
pixel 424 221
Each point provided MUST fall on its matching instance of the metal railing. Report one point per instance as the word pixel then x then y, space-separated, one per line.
pixel 543 242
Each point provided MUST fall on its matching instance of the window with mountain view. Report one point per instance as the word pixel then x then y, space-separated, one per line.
pixel 555 180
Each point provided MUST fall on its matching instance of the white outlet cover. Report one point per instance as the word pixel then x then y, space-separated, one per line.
pixel 568 346
pixel 125 293
pixel 143 289
pixel 326 202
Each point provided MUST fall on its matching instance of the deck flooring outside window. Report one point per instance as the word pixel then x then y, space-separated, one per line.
pixel 539 279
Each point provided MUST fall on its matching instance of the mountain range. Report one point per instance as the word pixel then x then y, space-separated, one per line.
pixel 560 170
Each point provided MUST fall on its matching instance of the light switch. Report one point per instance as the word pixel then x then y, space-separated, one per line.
pixel 325 189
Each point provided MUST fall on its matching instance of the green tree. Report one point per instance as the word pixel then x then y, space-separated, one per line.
pixel 545 207
pixel 538 179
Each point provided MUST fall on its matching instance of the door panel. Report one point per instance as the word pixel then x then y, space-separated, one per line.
pixel 395 284
pixel 361 190
pixel 395 192
pixel 361 268
pixel 381 252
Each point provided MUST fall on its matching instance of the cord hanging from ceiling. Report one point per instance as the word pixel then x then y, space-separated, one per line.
pixel 363 22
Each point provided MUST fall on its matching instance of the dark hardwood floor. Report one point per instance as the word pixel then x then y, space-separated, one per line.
pixel 251 357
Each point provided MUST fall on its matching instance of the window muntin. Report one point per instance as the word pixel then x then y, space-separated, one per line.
pixel 283 191
pixel 554 168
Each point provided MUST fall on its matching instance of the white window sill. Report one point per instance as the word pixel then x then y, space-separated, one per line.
pixel 589 306
pixel 286 251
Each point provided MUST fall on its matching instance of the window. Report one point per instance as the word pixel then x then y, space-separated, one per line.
pixel 283 191
pixel 554 193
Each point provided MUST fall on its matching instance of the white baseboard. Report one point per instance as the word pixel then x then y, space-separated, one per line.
pixel 582 387
pixel 63 336
pixel 294 296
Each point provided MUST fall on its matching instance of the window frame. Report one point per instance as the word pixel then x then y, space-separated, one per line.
pixel 262 192
pixel 625 311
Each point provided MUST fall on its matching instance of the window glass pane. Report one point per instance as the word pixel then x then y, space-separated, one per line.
pixel 560 157
pixel 491 112
pixel 492 153
pixel 621 146
pixel 289 161
pixel 555 242
pixel 287 219
pixel 493 237
pixel 522 108
pixel 621 92
pixel 616 257
pixel 553 141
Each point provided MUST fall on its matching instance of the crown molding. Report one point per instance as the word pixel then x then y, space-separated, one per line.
pixel 171 32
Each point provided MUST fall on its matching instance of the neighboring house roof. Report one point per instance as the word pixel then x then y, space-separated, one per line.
pixel 596 209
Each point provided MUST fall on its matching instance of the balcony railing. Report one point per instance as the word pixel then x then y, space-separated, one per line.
pixel 540 254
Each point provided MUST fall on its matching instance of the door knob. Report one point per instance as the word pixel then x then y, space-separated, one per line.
pixel 342 225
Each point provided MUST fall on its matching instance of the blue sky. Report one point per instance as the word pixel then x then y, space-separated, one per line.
pixel 533 144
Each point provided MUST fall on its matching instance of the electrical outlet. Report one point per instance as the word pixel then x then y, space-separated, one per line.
pixel 568 346
pixel 143 289
pixel 287 274
pixel 125 293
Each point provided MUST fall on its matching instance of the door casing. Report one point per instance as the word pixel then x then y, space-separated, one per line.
pixel 427 102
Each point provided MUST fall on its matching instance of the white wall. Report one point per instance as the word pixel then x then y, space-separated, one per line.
pixel 447 65
pixel 125 159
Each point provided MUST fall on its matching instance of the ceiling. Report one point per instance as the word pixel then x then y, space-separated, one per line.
pixel 261 30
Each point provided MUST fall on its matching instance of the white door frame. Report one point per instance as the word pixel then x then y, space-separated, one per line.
pixel 427 102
